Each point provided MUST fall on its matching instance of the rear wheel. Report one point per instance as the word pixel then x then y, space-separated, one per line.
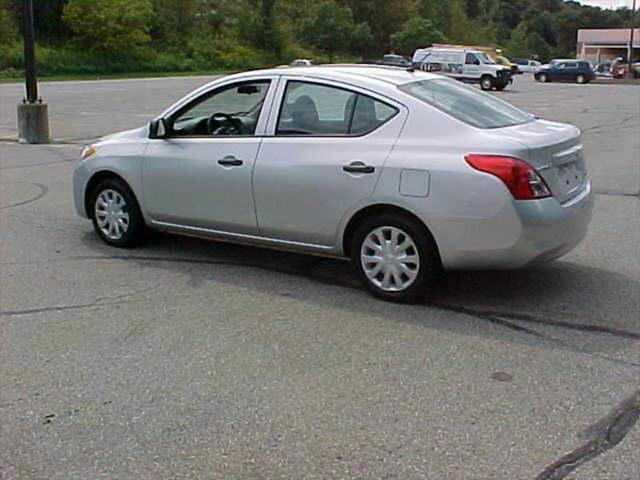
pixel 396 258
pixel 486 83
pixel 581 79
pixel 116 214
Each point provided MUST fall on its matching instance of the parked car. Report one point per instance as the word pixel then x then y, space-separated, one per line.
pixel 402 172
pixel 468 66
pixel 394 61
pixel 505 62
pixel 603 70
pixel 620 68
pixel 577 71
pixel 301 62
pixel 526 65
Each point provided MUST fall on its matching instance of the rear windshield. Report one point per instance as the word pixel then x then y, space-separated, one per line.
pixel 466 104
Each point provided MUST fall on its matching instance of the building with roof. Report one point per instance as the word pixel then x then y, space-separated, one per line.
pixel 601 45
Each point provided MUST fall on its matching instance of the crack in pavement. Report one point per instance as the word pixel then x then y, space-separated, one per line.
pixel 43 164
pixel 526 317
pixel 497 317
pixel 609 126
pixel 618 194
pixel 602 436
pixel 43 190
pixel 57 308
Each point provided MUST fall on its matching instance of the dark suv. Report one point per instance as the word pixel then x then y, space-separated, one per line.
pixel 578 71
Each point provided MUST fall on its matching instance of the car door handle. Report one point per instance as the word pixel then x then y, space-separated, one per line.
pixel 230 161
pixel 358 167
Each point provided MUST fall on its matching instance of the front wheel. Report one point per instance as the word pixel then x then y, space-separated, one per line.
pixel 116 214
pixel 543 78
pixel 486 83
pixel 396 258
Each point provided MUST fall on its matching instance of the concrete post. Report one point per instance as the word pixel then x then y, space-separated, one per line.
pixel 33 123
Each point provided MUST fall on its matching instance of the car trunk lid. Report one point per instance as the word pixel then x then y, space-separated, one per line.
pixel 556 152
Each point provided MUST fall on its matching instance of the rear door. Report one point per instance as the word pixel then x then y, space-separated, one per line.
pixel 326 148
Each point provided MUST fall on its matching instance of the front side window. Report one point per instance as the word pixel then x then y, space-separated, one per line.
pixel 313 109
pixel 231 110
pixel 472 59
pixel 466 104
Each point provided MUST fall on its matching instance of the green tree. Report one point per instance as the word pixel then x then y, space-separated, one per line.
pixel 48 18
pixel 260 27
pixel 416 33
pixel 472 8
pixel 109 25
pixel 330 28
pixel 7 24
pixel 384 17
pixel 172 20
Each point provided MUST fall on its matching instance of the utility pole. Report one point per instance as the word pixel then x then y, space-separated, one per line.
pixel 30 53
pixel 33 114
pixel 631 29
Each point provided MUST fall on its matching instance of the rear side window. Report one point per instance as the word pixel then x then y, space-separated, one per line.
pixel 369 114
pixel 313 109
pixel 466 104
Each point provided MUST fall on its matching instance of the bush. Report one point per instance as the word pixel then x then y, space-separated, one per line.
pixel 197 54
pixel 109 25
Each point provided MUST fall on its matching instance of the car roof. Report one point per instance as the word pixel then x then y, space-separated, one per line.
pixel 357 74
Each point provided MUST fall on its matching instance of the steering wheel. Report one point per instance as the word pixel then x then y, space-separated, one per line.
pixel 223 124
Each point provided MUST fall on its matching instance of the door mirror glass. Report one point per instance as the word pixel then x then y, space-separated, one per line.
pixel 158 128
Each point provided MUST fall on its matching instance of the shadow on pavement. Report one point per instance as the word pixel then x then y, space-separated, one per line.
pixel 572 299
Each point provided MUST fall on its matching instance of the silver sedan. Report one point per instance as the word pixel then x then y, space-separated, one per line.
pixel 403 172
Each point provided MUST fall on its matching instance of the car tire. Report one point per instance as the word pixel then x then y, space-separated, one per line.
pixel 404 274
pixel 486 83
pixel 581 79
pixel 543 78
pixel 115 214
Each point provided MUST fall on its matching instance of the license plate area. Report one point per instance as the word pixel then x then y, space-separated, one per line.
pixel 570 177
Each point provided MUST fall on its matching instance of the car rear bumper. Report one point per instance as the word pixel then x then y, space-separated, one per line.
pixel 529 233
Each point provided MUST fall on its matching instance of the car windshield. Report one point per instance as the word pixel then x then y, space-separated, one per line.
pixel 485 58
pixel 467 104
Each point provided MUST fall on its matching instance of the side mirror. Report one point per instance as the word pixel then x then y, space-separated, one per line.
pixel 158 128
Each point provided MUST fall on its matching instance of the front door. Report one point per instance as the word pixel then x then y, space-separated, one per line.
pixel 472 66
pixel 327 151
pixel 200 176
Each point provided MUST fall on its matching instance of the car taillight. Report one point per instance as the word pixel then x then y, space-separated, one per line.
pixel 523 181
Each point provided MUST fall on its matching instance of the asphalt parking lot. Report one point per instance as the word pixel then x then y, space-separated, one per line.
pixel 192 359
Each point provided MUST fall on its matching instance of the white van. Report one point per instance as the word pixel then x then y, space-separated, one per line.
pixel 472 66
